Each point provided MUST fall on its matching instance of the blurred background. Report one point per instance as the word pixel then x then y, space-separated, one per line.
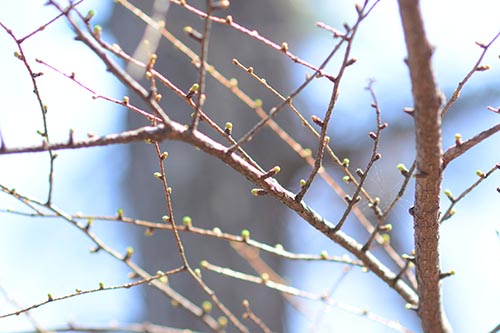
pixel 38 256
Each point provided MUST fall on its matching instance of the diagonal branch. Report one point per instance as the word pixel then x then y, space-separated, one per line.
pixel 427 117
pixel 457 150
pixel 176 131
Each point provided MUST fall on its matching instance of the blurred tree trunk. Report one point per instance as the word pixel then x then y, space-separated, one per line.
pixel 212 195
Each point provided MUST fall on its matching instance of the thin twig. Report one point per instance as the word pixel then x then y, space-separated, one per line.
pixel 458 90
pixel 303 294
pixel 454 200
pixel 43 109
pixel 202 71
pixel 458 149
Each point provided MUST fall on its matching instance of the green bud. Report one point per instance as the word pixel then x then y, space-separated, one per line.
pixel 228 128
pixel 187 221
pixel 119 213
pixel 233 83
pixel 206 306
pixel 386 238
pixel 257 103
pixel 258 192
pixel 89 16
pixel 128 254
pixel 386 227
pixel 223 321
pixel 401 167
pixel 163 278
pixel 97 31
pixel 245 234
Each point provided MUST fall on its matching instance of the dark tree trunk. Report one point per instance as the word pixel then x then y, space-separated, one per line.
pixel 214 196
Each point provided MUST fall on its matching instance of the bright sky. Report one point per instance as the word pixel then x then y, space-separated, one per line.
pixel 469 243
pixel 39 257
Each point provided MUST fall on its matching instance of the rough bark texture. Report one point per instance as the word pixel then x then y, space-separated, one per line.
pixel 429 170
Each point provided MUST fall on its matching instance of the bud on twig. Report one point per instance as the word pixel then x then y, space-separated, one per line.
pixel 197 36
pixel 194 88
pixel 228 128
pixel 317 120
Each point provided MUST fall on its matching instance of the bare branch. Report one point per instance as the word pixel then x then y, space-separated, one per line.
pixel 467 77
pixel 458 149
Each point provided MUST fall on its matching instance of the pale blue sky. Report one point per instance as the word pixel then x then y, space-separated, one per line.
pixel 45 256
pixel 468 241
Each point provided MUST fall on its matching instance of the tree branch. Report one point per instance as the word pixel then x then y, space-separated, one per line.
pixel 176 131
pixel 429 172
pixel 457 150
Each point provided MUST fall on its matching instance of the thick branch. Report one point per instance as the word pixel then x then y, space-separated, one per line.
pixel 429 173
pixel 175 131
pixel 144 133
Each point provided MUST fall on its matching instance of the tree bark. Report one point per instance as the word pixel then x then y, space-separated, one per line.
pixel 427 117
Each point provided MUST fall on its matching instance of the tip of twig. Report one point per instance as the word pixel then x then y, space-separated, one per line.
pixel 492 109
pixel 409 111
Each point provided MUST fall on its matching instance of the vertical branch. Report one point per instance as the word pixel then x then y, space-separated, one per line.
pixel 202 73
pixel 429 171
pixel 43 108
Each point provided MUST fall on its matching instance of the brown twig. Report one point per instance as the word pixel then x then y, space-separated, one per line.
pixel 454 200
pixel 265 281
pixel 232 86
pixel 126 259
pixel 175 131
pixel 363 174
pixel 202 70
pixel 100 288
pixel 20 54
pixel 253 34
pixel 461 84
pixel 38 328
pixel 455 151
pixel 253 317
